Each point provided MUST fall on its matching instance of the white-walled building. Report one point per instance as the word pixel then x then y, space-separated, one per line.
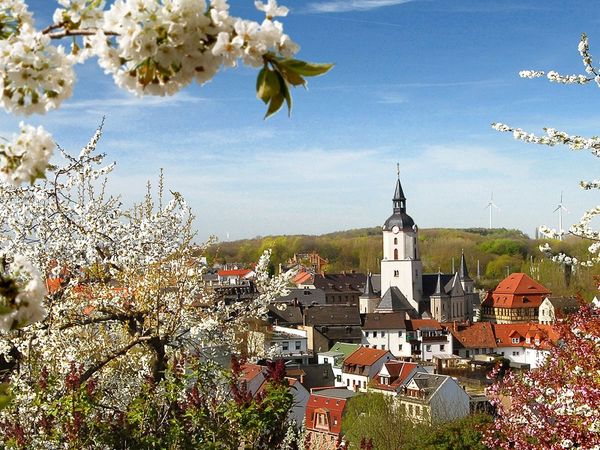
pixel 386 331
pixel 433 399
pixel 335 357
pixel 361 366
pixel 428 339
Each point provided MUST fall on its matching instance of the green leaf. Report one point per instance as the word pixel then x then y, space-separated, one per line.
pixel 275 104
pixel 270 85
pixel 291 77
pixel 305 68
pixel 285 90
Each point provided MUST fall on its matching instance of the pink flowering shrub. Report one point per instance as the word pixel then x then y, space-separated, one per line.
pixel 558 405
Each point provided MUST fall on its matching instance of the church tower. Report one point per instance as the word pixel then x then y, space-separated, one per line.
pixel 401 264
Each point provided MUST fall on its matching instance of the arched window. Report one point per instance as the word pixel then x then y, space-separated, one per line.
pixel 395 253
pixel 395 241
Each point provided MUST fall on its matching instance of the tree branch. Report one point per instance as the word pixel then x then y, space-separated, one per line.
pixel 96 367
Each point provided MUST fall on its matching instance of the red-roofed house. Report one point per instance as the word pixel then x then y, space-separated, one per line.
pixel 524 343
pixel 394 375
pixel 516 299
pixel 475 339
pixel 324 413
pixel 361 366
pixel 235 276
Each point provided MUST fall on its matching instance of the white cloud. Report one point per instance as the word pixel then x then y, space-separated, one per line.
pixel 352 5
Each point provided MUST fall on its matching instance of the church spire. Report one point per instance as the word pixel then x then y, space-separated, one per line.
pixel 399 199
pixel 438 286
pixel 368 291
pixel 464 273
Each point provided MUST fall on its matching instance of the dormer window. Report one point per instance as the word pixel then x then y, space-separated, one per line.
pixel 515 340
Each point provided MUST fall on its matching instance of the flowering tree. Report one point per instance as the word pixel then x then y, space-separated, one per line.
pixel 126 318
pixel 574 142
pixel 150 47
pixel 556 406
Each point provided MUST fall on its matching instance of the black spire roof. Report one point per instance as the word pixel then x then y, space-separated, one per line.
pixel 368 290
pixel 399 217
pixel 464 273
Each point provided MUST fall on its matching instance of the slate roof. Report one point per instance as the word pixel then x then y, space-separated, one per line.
pixel 428 383
pixel 291 315
pixel 430 282
pixel 332 315
pixel 384 321
pixel 399 216
pixel 368 290
pixel 564 305
pixel 340 282
pixel 394 300
pixel 464 272
pixel 314 375
pixel 305 297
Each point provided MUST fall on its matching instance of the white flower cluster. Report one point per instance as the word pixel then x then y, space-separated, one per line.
pixel 161 47
pixel 556 77
pixel 553 137
pixel 80 13
pixel 26 156
pixel 26 307
pixel 35 76
pixel 531 74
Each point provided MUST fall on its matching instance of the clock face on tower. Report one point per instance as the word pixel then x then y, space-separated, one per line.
pixel 395 229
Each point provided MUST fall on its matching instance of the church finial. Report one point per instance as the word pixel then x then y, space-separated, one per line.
pixel 399 199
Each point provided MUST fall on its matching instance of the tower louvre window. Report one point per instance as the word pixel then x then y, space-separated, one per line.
pixel 395 253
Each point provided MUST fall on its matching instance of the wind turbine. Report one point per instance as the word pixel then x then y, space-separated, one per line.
pixel 490 206
pixel 560 208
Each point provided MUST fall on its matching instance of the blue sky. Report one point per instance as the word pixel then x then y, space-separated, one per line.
pixel 415 82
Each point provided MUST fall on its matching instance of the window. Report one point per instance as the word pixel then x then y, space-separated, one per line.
pixel 366 334
pixel 417 410
pixel 428 348
pixel 399 333
pixel 383 334
pixel 285 345
pixel 364 384
pixel 395 253
pixel 348 382
pixel 374 333
pixel 338 378
pixel 515 353
pixel 395 241
pixel 396 273
pixel 442 347
pixel 298 345
pixel 326 360
pixel 515 340
pixel 400 347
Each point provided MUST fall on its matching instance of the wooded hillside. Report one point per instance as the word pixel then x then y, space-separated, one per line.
pixel 498 251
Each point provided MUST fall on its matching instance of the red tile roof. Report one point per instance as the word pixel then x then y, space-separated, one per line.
pixel 364 356
pixel 234 273
pixel 418 324
pixel 506 332
pixel 301 277
pixel 477 335
pixel 518 290
pixel 331 406
pixel 250 371
pixel 398 370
